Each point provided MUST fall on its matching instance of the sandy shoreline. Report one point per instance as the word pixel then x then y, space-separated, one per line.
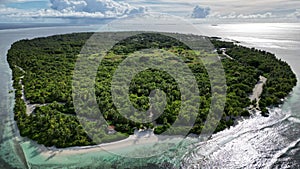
pixel 132 140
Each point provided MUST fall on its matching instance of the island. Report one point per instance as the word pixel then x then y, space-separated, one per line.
pixel 43 68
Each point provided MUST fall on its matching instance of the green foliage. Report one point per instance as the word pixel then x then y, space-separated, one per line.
pixel 49 62
pixel 281 78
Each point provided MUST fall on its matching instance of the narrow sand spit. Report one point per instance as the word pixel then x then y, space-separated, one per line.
pixel 258 89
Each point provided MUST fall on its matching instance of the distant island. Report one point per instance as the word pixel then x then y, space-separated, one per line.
pixel 43 69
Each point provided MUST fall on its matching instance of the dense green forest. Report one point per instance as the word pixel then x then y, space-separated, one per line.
pixel 281 78
pixel 46 72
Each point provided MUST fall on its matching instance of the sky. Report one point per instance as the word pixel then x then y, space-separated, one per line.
pixel 85 11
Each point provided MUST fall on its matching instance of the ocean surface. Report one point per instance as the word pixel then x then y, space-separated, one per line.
pixel 257 142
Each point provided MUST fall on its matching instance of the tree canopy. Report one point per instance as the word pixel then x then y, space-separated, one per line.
pixel 49 62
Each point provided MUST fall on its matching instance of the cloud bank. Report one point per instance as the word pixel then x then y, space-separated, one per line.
pixel 96 8
pixel 234 15
pixel 295 14
pixel 79 9
pixel 200 12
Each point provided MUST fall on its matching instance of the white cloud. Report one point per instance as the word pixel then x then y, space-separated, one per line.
pixel 105 7
pixel 279 8
pixel 4 10
pixel 295 14
pixel 234 15
pixel 80 9
pixel 6 1
pixel 93 9
pixel 200 12
pixel 256 16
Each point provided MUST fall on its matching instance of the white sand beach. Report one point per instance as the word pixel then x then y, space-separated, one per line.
pixel 138 139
